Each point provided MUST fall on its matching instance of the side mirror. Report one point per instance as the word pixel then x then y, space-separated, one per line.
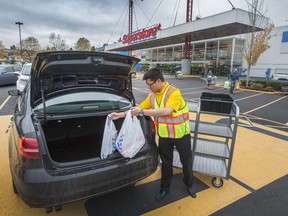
pixel 17 73
pixel 14 92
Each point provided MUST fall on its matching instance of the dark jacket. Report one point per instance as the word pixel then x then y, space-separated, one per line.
pixel 234 76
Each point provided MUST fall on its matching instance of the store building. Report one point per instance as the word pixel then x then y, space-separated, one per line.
pixel 276 57
pixel 216 41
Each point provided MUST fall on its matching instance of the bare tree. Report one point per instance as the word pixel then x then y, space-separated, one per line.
pixel 3 53
pixel 82 44
pixel 57 43
pixel 30 47
pixel 257 41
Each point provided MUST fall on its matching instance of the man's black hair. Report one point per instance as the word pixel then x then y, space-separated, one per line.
pixel 153 74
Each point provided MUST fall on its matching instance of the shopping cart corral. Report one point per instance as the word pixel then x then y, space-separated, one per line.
pixel 213 142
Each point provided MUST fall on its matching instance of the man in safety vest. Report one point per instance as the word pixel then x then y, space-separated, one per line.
pixel 171 117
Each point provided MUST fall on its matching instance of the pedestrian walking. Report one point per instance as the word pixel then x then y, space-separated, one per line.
pixel 171 116
pixel 267 73
pixel 233 77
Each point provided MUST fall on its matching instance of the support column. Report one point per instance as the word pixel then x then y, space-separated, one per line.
pixel 232 55
pixel 186 62
pixel 186 66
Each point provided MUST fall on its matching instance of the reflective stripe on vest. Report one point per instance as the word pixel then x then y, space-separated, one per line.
pixel 175 125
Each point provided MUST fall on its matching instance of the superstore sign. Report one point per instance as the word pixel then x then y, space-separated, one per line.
pixel 141 35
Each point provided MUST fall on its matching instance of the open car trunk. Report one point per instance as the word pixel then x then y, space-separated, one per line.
pixel 76 139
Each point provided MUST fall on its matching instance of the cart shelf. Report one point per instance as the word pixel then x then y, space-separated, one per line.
pixel 212 147
pixel 221 130
pixel 210 166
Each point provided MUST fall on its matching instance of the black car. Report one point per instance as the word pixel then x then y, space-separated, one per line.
pixel 58 124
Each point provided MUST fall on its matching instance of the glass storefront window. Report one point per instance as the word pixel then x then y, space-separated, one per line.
pixel 238 52
pixel 161 54
pixel 213 55
pixel 178 53
pixel 154 55
pixel 225 50
pixel 211 50
pixel 169 54
pixel 199 52
pixel 148 56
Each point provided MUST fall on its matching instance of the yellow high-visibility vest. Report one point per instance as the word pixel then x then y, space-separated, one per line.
pixel 175 125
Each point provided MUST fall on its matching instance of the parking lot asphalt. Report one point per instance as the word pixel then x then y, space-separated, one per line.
pixel 257 185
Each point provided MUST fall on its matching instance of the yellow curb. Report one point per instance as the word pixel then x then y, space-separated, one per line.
pixel 251 90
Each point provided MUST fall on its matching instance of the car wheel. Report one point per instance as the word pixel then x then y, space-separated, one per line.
pixel 14 188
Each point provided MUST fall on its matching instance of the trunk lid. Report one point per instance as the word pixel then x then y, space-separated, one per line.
pixel 64 70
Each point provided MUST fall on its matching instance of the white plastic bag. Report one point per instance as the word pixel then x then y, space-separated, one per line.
pixel 109 139
pixel 130 138
pixel 226 85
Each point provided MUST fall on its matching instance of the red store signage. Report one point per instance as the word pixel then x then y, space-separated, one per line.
pixel 143 34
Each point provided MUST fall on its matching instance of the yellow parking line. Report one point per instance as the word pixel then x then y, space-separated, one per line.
pixel 265 105
pixel 4 102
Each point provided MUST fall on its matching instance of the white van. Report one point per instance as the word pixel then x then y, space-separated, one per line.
pixel 280 76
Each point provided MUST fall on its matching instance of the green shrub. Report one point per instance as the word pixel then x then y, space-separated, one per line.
pixel 144 67
pixel 257 86
pixel 268 85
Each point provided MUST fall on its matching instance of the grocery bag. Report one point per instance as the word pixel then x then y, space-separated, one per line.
pixel 237 86
pixel 109 139
pixel 130 138
pixel 226 85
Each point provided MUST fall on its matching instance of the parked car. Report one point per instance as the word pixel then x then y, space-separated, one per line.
pixel 9 74
pixel 24 76
pixel 57 129
pixel 280 76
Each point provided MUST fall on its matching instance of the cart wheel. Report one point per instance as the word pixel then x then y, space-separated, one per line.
pixel 217 182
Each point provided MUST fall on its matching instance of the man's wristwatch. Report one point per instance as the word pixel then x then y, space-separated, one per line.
pixel 141 113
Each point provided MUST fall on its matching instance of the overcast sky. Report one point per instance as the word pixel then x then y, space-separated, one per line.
pixel 102 21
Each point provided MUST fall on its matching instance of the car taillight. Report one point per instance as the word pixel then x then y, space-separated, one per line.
pixel 28 147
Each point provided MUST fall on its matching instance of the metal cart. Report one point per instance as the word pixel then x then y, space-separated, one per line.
pixel 213 143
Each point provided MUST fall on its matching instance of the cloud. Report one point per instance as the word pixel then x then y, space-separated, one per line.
pixel 96 20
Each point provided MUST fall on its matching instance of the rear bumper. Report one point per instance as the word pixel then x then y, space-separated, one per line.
pixel 39 189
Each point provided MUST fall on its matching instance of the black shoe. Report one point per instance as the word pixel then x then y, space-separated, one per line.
pixel 161 195
pixel 191 192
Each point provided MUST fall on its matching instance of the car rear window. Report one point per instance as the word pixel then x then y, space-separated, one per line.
pixel 17 68
pixel 26 70
pixel 84 102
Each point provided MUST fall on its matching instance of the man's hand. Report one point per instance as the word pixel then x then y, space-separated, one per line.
pixel 135 111
pixel 115 116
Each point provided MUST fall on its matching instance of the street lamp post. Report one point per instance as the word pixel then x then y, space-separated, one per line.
pixel 19 24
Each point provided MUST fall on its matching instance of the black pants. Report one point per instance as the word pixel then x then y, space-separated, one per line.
pixel 166 148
